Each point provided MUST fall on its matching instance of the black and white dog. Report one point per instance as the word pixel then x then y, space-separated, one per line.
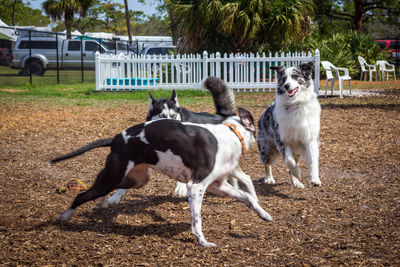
pixel 201 155
pixel 169 108
pixel 290 126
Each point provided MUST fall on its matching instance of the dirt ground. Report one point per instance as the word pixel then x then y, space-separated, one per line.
pixel 353 219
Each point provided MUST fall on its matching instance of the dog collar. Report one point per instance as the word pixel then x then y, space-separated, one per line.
pixel 238 134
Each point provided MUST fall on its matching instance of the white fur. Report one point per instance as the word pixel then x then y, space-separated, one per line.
pixel 142 137
pixel 172 165
pixel 299 127
pixel 125 136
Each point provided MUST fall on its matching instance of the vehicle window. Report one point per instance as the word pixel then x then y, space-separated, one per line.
pixel 91 46
pixel 394 45
pixel 74 46
pixel 122 46
pixel 382 44
pixel 109 45
pixel 155 51
pixel 38 45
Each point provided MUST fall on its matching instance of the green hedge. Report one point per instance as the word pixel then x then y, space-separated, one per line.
pixel 343 49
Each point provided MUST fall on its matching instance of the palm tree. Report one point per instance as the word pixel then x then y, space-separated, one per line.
pixel 66 9
pixel 289 21
pixel 229 25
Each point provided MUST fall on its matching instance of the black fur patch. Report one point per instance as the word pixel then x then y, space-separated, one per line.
pixel 195 145
pixel 268 139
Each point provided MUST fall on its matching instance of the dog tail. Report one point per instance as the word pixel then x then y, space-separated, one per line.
pixel 224 99
pixel 99 143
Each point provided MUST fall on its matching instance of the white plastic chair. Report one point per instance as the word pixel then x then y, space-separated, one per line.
pixel 330 68
pixel 384 66
pixel 365 67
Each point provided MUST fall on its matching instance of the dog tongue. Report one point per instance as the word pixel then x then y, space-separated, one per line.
pixel 292 92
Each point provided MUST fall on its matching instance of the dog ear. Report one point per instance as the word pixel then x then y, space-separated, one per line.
pixel 246 119
pixel 279 69
pixel 152 100
pixel 174 97
pixel 307 68
pixel 151 97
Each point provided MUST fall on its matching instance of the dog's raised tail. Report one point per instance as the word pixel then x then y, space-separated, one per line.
pixel 99 143
pixel 223 96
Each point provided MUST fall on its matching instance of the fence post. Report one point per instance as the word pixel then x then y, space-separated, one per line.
pixel 30 57
pixel 58 67
pixel 97 69
pixel 82 59
pixel 317 68
pixel 218 66
pixel 205 65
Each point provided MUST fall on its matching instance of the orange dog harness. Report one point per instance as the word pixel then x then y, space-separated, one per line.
pixel 238 134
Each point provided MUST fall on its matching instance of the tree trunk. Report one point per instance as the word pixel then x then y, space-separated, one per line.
pixel 358 15
pixel 128 21
pixel 68 24
pixel 13 13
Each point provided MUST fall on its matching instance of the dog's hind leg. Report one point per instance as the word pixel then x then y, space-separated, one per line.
pixel 114 175
pixel 196 192
pixel 99 189
pixel 223 188
pixel 294 168
pixel 115 198
pixel 269 159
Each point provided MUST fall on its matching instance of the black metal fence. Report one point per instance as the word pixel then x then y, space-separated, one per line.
pixel 42 57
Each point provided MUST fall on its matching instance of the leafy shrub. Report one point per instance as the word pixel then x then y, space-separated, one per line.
pixel 343 49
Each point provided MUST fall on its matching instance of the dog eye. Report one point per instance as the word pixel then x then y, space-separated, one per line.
pixel 162 116
pixel 295 77
pixel 173 116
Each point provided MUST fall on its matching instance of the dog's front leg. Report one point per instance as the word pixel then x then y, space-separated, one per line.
pixel 223 188
pixel 196 193
pixel 312 153
pixel 246 180
pixel 293 167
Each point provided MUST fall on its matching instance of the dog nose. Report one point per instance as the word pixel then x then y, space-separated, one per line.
pixel 286 86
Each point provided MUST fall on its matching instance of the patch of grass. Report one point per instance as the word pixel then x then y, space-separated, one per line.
pixel 71 91
pixel 84 94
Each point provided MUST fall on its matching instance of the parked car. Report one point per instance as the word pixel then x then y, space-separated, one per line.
pixel 43 55
pixel 159 50
pixel 122 47
pixel 393 47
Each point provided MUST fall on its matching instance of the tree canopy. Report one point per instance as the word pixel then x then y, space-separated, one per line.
pixel 66 10
pixel 23 14
pixel 230 25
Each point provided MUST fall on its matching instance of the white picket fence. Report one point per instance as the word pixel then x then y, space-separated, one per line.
pixel 245 72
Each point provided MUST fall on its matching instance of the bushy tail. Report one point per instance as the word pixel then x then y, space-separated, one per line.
pixel 99 143
pixel 223 96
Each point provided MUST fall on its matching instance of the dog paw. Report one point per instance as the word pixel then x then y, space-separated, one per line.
pixel 269 180
pixel 316 183
pixel 66 215
pixel 111 202
pixel 296 183
pixel 180 190
pixel 207 244
pixel 265 216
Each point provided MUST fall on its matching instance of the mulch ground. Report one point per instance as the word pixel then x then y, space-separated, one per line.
pixel 353 219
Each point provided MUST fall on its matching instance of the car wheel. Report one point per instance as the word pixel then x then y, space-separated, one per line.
pixel 34 67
